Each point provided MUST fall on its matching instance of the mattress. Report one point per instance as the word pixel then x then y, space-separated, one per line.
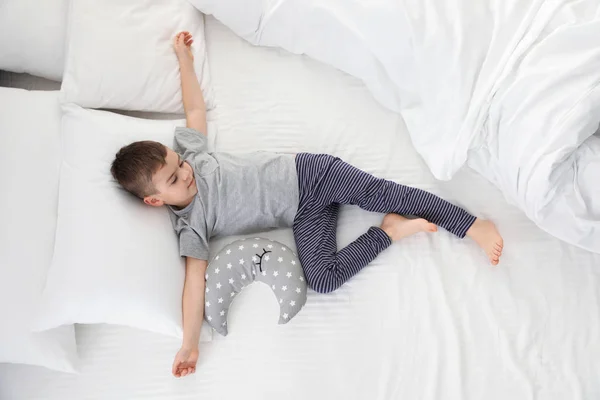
pixel 428 319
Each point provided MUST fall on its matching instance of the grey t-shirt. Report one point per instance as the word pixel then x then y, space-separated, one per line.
pixel 237 194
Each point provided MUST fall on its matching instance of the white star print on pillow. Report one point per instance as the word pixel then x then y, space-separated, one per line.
pixel 257 260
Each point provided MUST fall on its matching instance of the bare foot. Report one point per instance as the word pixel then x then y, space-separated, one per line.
pixel 398 227
pixel 485 234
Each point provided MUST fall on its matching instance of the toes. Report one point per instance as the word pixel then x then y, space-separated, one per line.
pixel 494 257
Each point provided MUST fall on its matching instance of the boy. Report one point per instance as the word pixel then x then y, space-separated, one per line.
pixel 211 194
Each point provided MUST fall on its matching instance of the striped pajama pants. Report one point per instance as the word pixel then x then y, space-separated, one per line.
pixel 325 182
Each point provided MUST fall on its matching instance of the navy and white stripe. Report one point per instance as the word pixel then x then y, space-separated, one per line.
pixel 324 183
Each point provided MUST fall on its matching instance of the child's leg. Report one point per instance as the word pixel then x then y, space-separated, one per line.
pixel 325 268
pixel 346 184
pixel 325 182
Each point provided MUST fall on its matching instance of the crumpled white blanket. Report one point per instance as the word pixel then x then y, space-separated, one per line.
pixel 509 86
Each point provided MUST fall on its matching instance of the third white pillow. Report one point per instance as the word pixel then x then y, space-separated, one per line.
pixel 120 55
pixel 32 37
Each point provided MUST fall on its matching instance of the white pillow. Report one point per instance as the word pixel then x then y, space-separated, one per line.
pixel 116 260
pixel 120 54
pixel 29 173
pixel 32 37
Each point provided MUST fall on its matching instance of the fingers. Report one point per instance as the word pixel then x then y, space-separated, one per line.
pixel 175 368
pixel 180 370
pixel 187 40
pixel 179 39
pixel 177 372
pixel 184 363
pixel 186 36
pixel 180 373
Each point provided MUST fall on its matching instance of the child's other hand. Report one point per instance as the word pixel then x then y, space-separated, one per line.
pixel 182 44
pixel 185 362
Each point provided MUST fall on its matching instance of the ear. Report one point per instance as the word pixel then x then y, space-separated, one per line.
pixel 153 201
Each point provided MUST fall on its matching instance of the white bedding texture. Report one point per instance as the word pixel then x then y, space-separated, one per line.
pixel 429 318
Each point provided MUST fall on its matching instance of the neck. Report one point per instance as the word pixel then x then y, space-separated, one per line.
pixel 182 205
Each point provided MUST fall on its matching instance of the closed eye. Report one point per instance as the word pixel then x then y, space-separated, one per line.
pixel 180 166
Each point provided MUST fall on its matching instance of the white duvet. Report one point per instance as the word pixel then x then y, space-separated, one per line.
pixel 511 86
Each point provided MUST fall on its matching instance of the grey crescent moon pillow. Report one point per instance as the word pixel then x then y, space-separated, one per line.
pixel 244 261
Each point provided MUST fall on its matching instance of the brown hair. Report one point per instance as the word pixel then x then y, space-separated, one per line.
pixel 135 164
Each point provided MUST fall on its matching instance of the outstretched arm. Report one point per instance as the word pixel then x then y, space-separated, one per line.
pixel 193 313
pixel 193 101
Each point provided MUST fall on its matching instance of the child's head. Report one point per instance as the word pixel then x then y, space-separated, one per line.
pixel 154 173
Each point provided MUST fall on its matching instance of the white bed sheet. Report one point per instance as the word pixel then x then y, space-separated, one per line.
pixel 428 319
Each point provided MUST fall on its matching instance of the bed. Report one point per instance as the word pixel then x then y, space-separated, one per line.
pixel 428 319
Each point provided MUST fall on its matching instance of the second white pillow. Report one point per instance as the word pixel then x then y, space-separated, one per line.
pixel 116 260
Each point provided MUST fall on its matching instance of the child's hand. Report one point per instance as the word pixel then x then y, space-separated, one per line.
pixel 185 362
pixel 182 44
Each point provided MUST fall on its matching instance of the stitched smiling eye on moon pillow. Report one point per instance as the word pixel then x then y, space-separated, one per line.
pixel 244 261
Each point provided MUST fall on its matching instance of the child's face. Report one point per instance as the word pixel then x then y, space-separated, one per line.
pixel 174 183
